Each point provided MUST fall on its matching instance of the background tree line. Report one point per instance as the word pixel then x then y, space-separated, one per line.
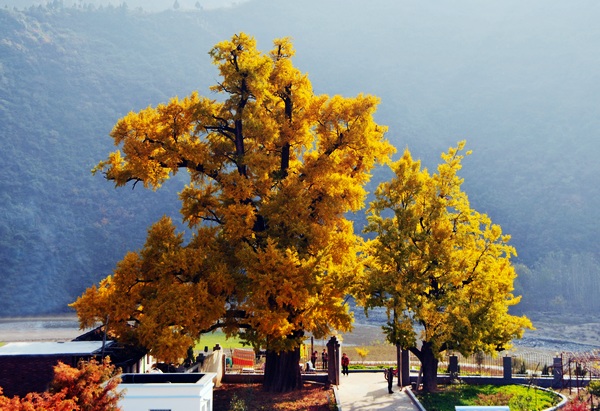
pixel 560 283
pixel 517 81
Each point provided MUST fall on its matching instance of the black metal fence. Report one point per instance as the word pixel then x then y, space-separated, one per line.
pixel 523 363
pixel 573 367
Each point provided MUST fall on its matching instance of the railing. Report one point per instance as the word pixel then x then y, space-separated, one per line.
pixel 525 363
pixel 531 364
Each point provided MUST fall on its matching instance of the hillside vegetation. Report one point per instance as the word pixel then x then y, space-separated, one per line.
pixel 518 81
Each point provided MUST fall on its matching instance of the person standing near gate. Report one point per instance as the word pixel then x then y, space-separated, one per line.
pixel 345 363
pixel 324 358
pixel 390 379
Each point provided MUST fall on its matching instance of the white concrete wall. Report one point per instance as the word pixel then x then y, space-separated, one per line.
pixel 169 396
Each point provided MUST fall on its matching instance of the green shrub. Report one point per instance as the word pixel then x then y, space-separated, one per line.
pixel 594 388
pixel 237 404
pixel 366 367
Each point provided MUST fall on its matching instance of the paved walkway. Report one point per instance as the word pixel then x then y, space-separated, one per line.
pixel 363 391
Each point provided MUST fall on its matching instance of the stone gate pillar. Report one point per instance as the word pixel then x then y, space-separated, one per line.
pixel 507 364
pixel 453 365
pixel 333 361
pixel 557 372
pixel 405 369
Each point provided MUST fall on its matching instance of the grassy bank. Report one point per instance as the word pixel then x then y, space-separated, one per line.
pixel 518 397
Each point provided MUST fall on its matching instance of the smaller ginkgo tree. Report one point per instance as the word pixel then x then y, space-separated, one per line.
pixel 442 270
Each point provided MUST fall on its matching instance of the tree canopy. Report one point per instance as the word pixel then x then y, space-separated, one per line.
pixel 273 169
pixel 441 269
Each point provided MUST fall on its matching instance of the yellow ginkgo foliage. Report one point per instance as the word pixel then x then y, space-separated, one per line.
pixel 273 170
pixel 442 270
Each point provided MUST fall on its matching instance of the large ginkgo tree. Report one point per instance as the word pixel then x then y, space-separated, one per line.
pixel 273 169
pixel 441 269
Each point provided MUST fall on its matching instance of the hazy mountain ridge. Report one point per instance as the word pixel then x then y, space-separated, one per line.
pixel 64 75
pixel 145 5
pixel 518 81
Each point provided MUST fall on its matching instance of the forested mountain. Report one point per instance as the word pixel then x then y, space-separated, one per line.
pixel 517 80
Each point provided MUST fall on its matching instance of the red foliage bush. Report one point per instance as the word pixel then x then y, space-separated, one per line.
pixel 576 405
pixel 73 389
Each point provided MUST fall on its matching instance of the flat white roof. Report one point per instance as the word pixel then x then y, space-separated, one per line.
pixel 53 348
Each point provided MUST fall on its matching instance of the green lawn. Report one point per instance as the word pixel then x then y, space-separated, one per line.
pixel 218 337
pixel 518 397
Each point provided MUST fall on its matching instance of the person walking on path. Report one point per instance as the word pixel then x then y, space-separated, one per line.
pixel 345 364
pixel 324 358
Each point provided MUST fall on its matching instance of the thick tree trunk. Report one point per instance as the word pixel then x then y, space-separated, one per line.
pixel 282 371
pixel 429 365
